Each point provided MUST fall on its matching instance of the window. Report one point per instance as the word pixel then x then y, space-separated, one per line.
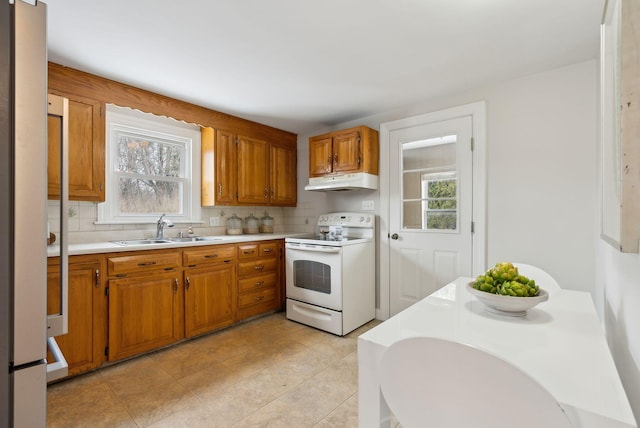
pixel 440 201
pixel 430 184
pixel 151 169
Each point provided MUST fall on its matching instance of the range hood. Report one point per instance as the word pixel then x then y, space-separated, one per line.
pixel 359 180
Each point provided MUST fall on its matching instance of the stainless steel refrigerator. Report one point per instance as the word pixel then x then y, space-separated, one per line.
pixel 24 324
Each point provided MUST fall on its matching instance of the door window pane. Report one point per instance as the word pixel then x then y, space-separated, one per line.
pixel 429 184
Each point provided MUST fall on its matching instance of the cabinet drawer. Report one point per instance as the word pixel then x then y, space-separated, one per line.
pixel 268 249
pixel 127 264
pixel 207 255
pixel 257 266
pixel 267 295
pixel 248 251
pixel 257 282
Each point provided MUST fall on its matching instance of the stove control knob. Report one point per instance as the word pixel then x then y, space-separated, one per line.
pixel 361 219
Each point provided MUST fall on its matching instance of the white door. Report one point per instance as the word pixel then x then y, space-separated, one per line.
pixel 430 208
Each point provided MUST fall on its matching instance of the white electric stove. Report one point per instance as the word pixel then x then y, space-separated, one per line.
pixel 330 276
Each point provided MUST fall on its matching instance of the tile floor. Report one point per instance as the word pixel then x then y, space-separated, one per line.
pixel 269 372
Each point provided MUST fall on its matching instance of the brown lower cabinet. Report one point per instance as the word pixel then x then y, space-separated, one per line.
pixel 128 303
pixel 83 345
pixel 143 313
pixel 258 278
pixel 209 288
pixel 145 291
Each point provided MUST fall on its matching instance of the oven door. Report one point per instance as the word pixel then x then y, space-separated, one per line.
pixel 314 274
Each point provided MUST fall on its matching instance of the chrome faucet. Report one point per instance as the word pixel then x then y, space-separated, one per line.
pixel 162 222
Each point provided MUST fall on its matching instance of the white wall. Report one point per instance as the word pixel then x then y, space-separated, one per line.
pixel 542 195
pixel 619 281
pixel 541 170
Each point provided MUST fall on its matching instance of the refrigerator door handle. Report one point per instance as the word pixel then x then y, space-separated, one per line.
pixel 59 368
pixel 57 324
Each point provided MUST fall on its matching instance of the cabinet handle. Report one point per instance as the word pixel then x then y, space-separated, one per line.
pixel 273 193
pixel 268 250
pixel 259 298
pixel 329 164
pixel 259 267
pixel 259 283
pixel 335 159
pixel 97 278
pixel 248 251
pixel 175 285
pixel 147 264
pixel 211 256
pixel 220 189
pixel 188 283
pixel 266 193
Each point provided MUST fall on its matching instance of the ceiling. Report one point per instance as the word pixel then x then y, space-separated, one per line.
pixel 300 64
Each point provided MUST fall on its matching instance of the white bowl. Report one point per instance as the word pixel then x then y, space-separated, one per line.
pixel 508 305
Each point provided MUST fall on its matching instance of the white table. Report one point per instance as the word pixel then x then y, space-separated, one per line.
pixel 560 343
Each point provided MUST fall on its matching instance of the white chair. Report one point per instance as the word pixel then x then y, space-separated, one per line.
pixel 542 278
pixel 436 383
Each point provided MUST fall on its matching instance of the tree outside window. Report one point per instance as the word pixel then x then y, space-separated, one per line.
pixel 440 209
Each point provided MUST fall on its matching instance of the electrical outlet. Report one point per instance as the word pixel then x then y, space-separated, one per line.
pixel 367 205
pixel 214 221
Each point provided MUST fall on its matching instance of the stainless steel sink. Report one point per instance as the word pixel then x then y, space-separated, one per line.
pixel 168 240
pixel 184 239
pixel 142 241
pixel 195 239
pixel 208 238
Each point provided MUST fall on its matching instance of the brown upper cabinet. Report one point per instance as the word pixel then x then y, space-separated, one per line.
pixel 219 162
pixel 273 176
pixel 86 151
pixel 243 170
pixel 343 152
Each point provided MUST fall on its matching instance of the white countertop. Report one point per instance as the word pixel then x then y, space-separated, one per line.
pixel 111 247
pixel 560 343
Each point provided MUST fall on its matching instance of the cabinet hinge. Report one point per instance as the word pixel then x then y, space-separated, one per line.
pixel 106 351
pixel 473 227
pixel 472 144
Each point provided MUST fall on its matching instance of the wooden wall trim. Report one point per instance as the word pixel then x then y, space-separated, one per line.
pixel 67 81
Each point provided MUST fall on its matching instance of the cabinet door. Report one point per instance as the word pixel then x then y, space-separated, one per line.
pixel 253 171
pixel 284 188
pixel 320 156
pixel 86 152
pixel 226 168
pixel 346 152
pixel 209 298
pixel 83 345
pixel 143 314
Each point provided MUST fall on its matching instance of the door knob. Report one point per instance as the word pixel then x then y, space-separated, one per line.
pixel 394 236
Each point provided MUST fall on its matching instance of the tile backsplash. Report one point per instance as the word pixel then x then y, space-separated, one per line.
pixel 82 217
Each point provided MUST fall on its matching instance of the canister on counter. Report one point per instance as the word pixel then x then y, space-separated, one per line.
pixel 266 223
pixel 251 224
pixel 234 225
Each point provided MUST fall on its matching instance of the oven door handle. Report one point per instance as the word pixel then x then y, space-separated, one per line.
pixel 312 248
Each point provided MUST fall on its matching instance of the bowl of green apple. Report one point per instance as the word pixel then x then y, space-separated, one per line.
pixel 504 291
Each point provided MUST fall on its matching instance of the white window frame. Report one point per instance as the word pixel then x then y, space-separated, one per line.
pixel 438 176
pixel 187 135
